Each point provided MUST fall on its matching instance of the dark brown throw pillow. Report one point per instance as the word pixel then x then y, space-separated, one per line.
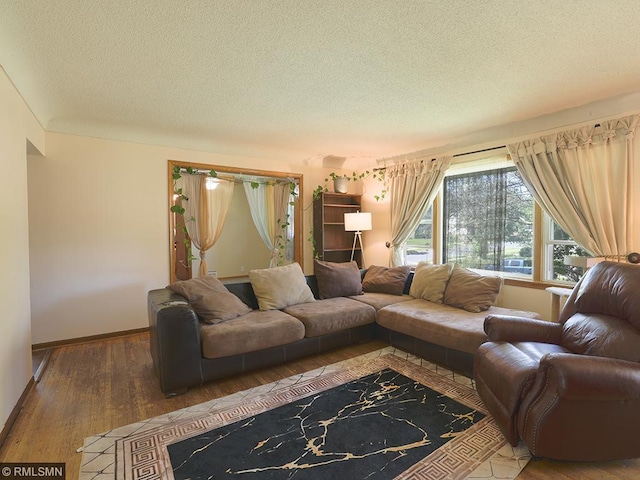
pixel 337 279
pixel 379 279
pixel 210 299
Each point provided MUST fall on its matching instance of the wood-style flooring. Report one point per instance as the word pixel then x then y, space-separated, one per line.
pixel 94 387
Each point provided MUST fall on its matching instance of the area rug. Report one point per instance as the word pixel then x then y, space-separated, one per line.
pixel 384 415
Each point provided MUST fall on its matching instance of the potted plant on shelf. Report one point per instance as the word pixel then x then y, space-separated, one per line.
pixel 341 182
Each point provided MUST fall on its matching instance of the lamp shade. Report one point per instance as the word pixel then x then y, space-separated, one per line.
pixel 357 222
pixel 582 262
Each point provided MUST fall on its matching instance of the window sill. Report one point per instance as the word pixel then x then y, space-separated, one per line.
pixel 535 284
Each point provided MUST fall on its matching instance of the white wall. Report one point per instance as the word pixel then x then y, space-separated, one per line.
pixel 17 124
pixel 99 231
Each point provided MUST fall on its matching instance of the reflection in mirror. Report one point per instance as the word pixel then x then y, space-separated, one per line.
pixel 227 221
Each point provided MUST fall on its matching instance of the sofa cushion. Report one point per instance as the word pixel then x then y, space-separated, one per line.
pixel 332 315
pixel 379 279
pixel 279 287
pixel 429 281
pixel 602 336
pixel 337 279
pixel 210 299
pixel 381 300
pixel 471 291
pixel 442 324
pixel 249 333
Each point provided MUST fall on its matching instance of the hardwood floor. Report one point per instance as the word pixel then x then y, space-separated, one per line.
pixel 94 387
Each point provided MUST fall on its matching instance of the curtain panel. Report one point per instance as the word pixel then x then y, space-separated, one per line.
pixel 582 179
pixel 269 206
pixel 413 186
pixel 205 212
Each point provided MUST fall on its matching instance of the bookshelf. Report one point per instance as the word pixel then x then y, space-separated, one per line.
pixel 332 243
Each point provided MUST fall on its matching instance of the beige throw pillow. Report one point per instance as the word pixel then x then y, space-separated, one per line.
pixel 280 287
pixel 471 291
pixel 379 279
pixel 429 281
pixel 210 299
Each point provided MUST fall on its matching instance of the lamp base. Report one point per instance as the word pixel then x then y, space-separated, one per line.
pixel 358 237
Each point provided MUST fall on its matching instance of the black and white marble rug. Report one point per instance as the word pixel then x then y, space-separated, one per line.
pixel 383 415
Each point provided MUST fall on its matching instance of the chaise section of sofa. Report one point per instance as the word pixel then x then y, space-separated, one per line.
pixel 447 335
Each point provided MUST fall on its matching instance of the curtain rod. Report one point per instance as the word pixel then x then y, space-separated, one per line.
pixel 456 155
pixel 478 151
pixel 471 153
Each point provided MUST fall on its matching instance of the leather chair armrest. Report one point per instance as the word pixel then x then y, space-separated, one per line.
pixel 505 328
pixel 582 408
pixel 585 377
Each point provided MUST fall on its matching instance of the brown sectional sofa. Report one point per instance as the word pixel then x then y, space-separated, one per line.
pixel 187 352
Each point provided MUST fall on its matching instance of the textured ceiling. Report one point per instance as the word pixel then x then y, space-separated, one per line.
pixel 296 78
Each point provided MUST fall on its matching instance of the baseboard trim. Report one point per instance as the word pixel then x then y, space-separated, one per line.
pixel 92 338
pixel 13 416
pixel 43 365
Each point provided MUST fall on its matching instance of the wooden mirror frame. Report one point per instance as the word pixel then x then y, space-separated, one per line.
pixel 298 253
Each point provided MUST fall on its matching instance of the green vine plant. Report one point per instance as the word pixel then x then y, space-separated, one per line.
pixel 377 174
pixel 283 239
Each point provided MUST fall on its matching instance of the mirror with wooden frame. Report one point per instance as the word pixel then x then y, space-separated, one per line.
pixel 239 247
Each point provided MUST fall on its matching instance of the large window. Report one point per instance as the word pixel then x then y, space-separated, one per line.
pixel 488 221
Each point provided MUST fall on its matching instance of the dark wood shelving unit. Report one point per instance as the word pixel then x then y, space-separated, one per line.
pixel 332 243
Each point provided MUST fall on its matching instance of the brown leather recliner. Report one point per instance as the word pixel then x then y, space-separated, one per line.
pixel 570 390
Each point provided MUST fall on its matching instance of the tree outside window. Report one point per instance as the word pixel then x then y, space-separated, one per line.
pixel 488 221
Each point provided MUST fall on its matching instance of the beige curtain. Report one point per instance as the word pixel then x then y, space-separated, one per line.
pixel 269 205
pixel 413 186
pixel 205 212
pixel 581 178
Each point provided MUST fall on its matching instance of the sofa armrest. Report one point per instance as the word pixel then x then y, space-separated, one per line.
pixel 505 328
pixel 175 341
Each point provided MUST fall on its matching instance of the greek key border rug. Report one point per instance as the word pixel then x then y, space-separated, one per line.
pixel 139 451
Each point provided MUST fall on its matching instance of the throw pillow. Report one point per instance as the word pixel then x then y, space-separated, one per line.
pixel 210 299
pixel 280 287
pixel 430 281
pixel 337 279
pixel 379 279
pixel 471 291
